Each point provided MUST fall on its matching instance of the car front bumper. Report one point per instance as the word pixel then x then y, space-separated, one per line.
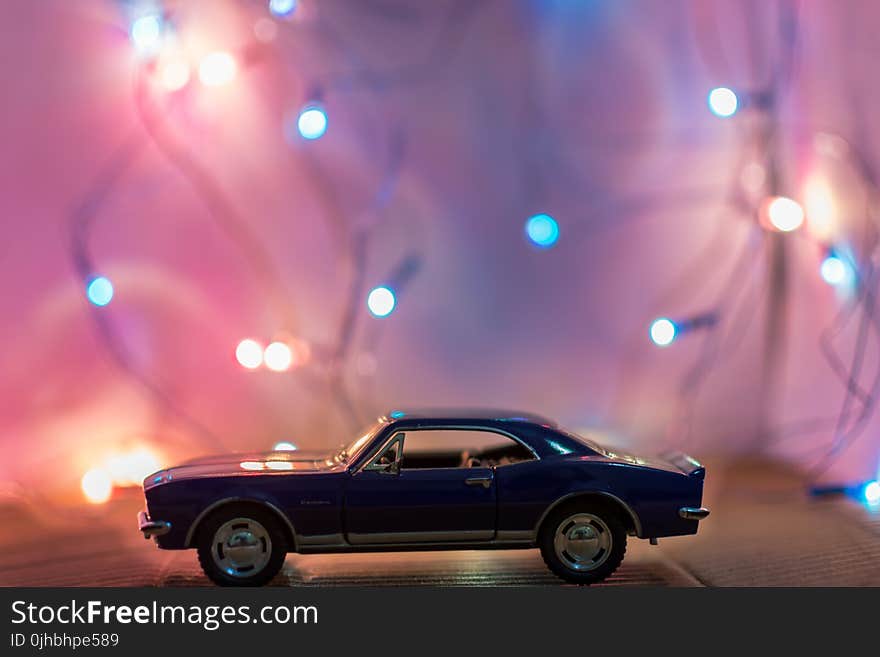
pixel 151 528
pixel 693 513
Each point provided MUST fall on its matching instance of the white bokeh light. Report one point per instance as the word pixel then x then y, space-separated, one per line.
pixel 784 214
pixel 278 357
pixel 249 354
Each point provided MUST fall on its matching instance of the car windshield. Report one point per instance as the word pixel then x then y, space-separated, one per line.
pixel 352 450
pixel 593 445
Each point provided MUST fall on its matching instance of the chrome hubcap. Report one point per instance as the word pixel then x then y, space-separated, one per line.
pixel 241 547
pixel 582 541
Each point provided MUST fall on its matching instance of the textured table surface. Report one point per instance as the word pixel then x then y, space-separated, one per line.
pixel 762 532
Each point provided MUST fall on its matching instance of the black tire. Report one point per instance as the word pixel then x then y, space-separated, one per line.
pixel 261 538
pixel 601 524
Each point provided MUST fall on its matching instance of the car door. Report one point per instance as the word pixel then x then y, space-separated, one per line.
pixel 389 504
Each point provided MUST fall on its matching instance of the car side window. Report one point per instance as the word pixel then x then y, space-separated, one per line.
pixel 388 455
pixel 461 448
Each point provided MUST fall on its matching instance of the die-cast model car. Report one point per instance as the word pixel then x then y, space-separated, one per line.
pixel 426 481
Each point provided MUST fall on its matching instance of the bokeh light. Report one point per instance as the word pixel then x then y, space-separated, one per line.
pixel 284 446
pixel 723 102
pixel 173 74
pixel 217 69
pixel 872 492
pixel 301 352
pixel 252 465
pixel 542 230
pixel 834 270
pixel 819 209
pixel 278 357
pixel 279 465
pixel 663 332
pixel 784 214
pixel 381 301
pixel 265 30
pixel 249 354
pixel 312 122
pixel 146 34
pixel 282 8
pixel 131 468
pixel 97 485
pixel 100 291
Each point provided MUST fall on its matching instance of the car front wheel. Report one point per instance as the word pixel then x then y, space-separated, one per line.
pixel 583 543
pixel 241 545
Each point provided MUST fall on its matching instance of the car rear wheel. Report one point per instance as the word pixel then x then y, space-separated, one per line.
pixel 583 543
pixel 241 545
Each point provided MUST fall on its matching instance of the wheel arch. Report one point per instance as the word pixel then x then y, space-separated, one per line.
pixel 290 534
pixel 626 512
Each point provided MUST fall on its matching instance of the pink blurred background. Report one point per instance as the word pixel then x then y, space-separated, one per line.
pixel 450 123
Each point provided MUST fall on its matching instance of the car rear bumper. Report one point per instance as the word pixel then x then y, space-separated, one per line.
pixel 693 513
pixel 150 528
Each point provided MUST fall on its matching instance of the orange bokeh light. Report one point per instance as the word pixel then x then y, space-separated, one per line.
pixel 217 69
pixel 173 73
pixel 97 485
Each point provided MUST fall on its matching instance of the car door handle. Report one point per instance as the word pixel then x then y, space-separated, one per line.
pixel 485 482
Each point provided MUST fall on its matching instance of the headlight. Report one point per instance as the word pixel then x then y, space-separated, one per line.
pixel 157 478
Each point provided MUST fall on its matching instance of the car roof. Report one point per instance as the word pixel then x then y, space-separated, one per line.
pixel 465 415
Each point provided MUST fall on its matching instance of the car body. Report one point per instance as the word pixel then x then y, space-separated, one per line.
pixel 378 494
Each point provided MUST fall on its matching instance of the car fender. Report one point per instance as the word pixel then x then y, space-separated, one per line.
pixel 190 534
pixel 601 493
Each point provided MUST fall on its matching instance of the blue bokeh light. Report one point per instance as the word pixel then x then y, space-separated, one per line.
pixel 282 8
pixel 381 301
pixel 723 102
pixel 663 332
pixel 871 493
pixel 312 122
pixel 146 34
pixel 100 291
pixel 836 271
pixel 542 230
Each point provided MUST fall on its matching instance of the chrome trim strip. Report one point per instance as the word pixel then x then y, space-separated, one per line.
pixel 387 538
pixel 515 536
pixel 152 527
pixel 632 514
pixel 321 540
pixel 318 542
pixel 192 528
pixel 693 513
pixel 457 427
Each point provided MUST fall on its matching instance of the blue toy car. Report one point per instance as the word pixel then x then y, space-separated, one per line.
pixel 425 481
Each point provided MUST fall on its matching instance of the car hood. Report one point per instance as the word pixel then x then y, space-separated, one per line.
pixel 247 463
pixel 676 462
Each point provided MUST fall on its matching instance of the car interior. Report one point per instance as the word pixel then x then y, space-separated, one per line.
pixel 471 449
